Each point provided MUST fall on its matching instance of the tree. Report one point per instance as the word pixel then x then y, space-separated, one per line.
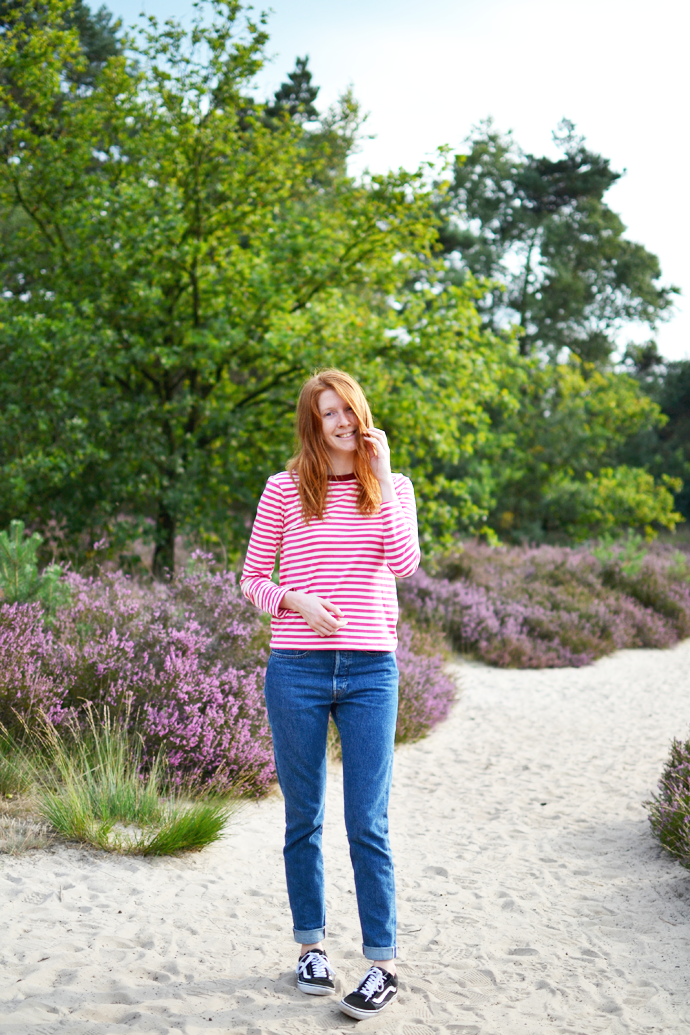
pixel 178 264
pixel 664 449
pixel 296 98
pixel 540 231
pixel 561 473
pixel 99 36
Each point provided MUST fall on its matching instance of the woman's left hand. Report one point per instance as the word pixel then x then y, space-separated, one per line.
pixel 379 454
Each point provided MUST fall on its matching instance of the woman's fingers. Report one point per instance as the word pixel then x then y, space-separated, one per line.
pixel 319 618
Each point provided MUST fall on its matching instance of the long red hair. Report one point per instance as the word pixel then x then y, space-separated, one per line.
pixel 311 462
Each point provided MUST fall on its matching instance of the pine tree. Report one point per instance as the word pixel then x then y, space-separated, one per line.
pixel 296 97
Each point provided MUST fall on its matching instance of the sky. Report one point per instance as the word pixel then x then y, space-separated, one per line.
pixel 426 71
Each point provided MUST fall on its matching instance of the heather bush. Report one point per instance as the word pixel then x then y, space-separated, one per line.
pixel 551 607
pixel 427 691
pixel 186 661
pixel 182 665
pixel 669 810
pixel 28 655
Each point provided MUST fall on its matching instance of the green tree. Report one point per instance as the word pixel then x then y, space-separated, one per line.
pixel 663 449
pixel 561 464
pixel 296 97
pixel 179 264
pixel 99 35
pixel 540 231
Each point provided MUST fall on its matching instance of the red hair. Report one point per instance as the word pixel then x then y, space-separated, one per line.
pixel 311 462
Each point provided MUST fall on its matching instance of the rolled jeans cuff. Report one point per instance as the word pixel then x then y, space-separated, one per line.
pixel 312 937
pixel 387 953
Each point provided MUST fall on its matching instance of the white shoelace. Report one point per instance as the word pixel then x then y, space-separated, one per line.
pixel 373 981
pixel 320 966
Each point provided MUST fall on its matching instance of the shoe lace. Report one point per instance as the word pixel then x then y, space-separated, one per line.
pixel 373 981
pixel 320 967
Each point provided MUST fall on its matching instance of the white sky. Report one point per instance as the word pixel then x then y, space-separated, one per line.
pixel 428 71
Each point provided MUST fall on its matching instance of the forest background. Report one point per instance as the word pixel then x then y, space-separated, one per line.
pixel 177 257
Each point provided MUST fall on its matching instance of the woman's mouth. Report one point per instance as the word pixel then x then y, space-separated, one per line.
pixel 345 434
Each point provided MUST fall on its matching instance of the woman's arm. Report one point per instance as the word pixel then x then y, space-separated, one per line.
pixel 257 583
pixel 398 509
pixel 267 533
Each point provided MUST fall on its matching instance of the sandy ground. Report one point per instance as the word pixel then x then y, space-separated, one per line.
pixel 531 896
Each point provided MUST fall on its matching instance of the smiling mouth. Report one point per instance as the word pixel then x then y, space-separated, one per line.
pixel 346 434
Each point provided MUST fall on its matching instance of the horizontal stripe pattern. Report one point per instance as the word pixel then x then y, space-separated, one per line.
pixel 349 558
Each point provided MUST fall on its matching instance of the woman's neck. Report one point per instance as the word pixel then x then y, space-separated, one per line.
pixel 342 463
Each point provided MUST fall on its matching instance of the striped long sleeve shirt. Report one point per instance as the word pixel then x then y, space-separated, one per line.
pixel 349 558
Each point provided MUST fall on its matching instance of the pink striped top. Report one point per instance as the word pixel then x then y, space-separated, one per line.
pixel 349 558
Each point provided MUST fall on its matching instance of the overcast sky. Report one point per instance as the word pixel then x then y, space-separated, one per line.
pixel 428 70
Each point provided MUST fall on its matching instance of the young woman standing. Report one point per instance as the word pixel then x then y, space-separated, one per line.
pixel 343 527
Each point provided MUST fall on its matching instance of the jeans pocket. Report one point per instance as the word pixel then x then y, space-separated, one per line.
pixel 378 653
pixel 282 652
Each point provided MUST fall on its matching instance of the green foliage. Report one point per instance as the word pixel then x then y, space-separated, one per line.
pixel 296 97
pixel 559 474
pixel 176 258
pixel 20 581
pixel 178 266
pixel 540 230
pixel 664 449
pixel 621 497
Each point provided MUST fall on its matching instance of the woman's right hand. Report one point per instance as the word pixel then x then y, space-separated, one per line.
pixel 320 614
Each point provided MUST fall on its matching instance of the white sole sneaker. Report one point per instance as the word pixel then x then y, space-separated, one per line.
pixel 306 986
pixel 364 1015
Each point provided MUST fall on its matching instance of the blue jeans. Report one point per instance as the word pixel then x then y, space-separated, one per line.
pixel 360 689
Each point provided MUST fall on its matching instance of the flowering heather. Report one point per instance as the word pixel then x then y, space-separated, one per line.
pixel 669 810
pixel 552 607
pixel 183 665
pixel 27 654
pixel 426 691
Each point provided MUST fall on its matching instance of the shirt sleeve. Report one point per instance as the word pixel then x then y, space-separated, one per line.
pixel 264 544
pixel 400 536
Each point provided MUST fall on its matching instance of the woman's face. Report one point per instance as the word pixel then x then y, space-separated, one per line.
pixel 339 423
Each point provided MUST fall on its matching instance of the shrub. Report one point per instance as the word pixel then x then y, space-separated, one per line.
pixel 669 810
pixel 20 580
pixel 620 497
pixel 427 691
pixel 28 655
pixel 186 661
pixel 182 665
pixel 551 607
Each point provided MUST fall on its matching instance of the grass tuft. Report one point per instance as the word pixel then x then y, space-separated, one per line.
pixel 91 786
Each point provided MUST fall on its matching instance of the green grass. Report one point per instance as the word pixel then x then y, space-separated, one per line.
pixel 88 785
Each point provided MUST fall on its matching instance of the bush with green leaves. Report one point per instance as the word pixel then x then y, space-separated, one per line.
pixel 20 580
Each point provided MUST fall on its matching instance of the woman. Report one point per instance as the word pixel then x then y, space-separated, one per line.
pixel 344 527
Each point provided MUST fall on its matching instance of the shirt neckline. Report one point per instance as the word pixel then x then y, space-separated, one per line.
pixel 342 477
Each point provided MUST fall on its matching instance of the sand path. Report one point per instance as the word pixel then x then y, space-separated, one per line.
pixel 531 896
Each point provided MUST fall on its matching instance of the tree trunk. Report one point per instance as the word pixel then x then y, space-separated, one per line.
pixel 164 553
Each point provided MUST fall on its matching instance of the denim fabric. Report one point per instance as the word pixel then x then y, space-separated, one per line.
pixel 360 689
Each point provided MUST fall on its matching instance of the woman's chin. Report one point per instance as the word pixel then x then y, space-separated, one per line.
pixel 348 446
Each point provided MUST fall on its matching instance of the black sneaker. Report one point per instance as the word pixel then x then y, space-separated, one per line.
pixel 315 974
pixel 375 991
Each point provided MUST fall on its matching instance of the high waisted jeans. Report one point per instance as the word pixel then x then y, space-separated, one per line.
pixel 360 689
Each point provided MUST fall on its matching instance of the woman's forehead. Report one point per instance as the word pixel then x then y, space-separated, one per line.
pixel 329 398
